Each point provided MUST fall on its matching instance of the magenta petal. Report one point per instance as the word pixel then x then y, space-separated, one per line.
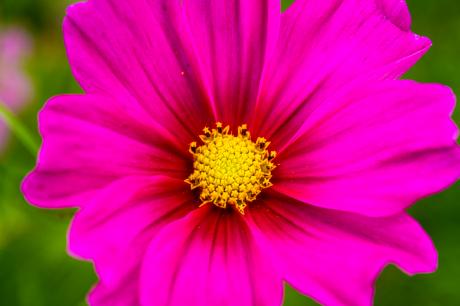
pixel 233 40
pixel 397 11
pixel 116 227
pixel 374 150
pixel 139 52
pixel 335 257
pixel 101 295
pixel 323 47
pixel 90 141
pixel 208 258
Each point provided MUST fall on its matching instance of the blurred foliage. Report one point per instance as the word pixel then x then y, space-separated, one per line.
pixel 34 266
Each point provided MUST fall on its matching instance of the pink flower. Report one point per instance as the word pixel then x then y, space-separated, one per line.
pixel 355 146
pixel 15 88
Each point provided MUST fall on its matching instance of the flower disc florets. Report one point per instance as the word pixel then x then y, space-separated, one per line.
pixel 230 170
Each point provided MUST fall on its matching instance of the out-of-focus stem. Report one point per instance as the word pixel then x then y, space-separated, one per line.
pixel 18 129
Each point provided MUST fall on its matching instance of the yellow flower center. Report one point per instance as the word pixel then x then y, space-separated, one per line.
pixel 230 170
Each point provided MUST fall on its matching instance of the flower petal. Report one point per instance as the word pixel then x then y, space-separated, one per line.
pixel 138 51
pixel 233 39
pixel 123 295
pixel 397 11
pixel 208 258
pixel 15 86
pixel 374 150
pixel 90 141
pixel 115 229
pixel 335 257
pixel 324 46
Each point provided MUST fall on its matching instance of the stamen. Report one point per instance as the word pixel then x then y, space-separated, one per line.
pixel 230 170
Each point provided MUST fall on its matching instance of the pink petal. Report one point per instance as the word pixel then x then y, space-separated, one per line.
pixel 233 39
pixel 208 258
pixel 116 227
pixel 121 296
pixel 335 257
pixel 323 47
pixel 15 87
pixel 374 150
pixel 139 52
pixel 15 43
pixel 397 11
pixel 90 141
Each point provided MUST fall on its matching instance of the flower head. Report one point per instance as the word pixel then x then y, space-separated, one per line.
pixel 222 147
pixel 15 88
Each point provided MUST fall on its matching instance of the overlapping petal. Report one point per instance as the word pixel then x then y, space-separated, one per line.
pixel 375 149
pixel 233 40
pixel 139 51
pixel 335 257
pixel 92 140
pixel 101 295
pixel 397 11
pixel 209 258
pixel 324 46
pixel 116 227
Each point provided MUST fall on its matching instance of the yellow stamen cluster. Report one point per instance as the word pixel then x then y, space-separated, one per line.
pixel 230 170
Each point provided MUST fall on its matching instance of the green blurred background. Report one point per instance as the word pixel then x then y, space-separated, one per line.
pixel 34 266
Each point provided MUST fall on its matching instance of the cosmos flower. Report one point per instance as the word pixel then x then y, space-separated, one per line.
pixel 222 148
pixel 15 88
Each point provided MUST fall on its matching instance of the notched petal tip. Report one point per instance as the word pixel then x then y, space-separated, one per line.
pixel 26 188
pixel 397 11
